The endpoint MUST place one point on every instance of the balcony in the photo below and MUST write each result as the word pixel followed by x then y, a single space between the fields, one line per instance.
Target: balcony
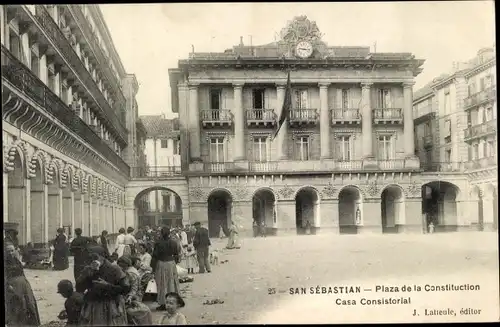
pixel 216 118
pixel 442 166
pixel 423 114
pixel 387 116
pixel 261 117
pixel 218 167
pixel 482 163
pixel 481 130
pixel 391 164
pixel 325 166
pixel 345 116
pixel 27 83
pixel 102 59
pixel 427 141
pixel 480 98
pixel 63 45
pixel 303 117
pixel 155 171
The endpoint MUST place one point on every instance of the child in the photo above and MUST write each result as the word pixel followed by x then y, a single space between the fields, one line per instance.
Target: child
pixel 190 259
pixel 173 302
pixel 73 304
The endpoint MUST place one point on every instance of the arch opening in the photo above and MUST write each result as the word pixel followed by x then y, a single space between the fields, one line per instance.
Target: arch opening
pixel 439 206
pixel 264 213
pixel 157 206
pixel 307 211
pixel 55 204
pixel 219 212
pixel 16 198
pixel 490 208
pixel 350 210
pixel 392 209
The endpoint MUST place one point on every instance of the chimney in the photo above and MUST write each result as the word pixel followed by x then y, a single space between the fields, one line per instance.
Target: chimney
pixel 241 41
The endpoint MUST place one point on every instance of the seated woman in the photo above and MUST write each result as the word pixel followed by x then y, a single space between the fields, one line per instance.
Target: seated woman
pixel 125 263
pixel 106 286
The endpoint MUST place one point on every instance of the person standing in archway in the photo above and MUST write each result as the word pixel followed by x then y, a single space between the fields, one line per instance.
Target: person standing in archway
pixel 61 251
pixel 78 249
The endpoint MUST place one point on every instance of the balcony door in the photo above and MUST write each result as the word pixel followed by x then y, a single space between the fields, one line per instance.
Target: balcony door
pixel 215 103
pixel 217 150
pixel 385 149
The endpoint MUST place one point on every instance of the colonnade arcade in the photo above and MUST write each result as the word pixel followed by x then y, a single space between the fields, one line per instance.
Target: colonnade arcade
pixel 43 193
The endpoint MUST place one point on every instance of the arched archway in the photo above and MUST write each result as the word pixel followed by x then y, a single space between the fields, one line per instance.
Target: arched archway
pixel 16 197
pixel 393 209
pixel 219 212
pixel 490 207
pixel 476 208
pixel 350 209
pixel 307 210
pixel 264 211
pixel 439 204
pixel 158 206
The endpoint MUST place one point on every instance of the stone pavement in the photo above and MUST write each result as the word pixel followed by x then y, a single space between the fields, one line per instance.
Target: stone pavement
pixel 276 264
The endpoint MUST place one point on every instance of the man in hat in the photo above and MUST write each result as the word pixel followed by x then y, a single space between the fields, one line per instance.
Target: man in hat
pixel 73 304
pixel 78 249
pixel 201 243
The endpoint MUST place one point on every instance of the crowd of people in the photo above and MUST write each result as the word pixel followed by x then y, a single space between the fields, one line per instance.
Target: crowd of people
pixel 109 286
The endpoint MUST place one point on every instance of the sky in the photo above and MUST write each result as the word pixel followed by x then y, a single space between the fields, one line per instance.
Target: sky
pixel 151 38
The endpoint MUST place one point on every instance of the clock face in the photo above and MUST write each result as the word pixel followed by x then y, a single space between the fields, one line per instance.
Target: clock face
pixel 304 49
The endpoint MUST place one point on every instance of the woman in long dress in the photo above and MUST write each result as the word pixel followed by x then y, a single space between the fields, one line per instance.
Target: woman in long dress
pixel 106 286
pixel 121 247
pixel 233 237
pixel 165 256
pixel 61 251
pixel 20 303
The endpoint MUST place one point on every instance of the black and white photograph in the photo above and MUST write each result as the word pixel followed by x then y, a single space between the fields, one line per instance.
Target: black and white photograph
pixel 249 163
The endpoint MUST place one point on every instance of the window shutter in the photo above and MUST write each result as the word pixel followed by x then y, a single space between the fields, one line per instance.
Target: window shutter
pixel 266 99
pixel 268 149
pixel 226 149
pixel 389 99
pixel 337 150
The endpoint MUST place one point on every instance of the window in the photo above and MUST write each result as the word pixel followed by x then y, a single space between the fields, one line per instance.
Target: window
pixel 447 155
pixel 384 98
pixel 344 148
pixel 302 148
pixel 260 149
pixel 52 81
pixel 35 64
pixel 217 149
pixel 447 128
pixel 489 81
pixel 345 98
pixel 472 88
pixel 64 92
pixel 15 44
pixel 428 157
pixel 177 147
pixel 258 99
pixel 427 128
pixel 301 99
pixel 385 147
pixel 215 99
pixel 447 103
pixel 164 144
pixel 482 84
pixel 488 114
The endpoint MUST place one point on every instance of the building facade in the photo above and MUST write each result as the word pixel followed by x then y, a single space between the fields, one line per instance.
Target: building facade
pixel 344 158
pixel 455 131
pixel 70 133
pixel 162 150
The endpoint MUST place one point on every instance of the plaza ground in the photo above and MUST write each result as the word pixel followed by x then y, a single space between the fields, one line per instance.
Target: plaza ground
pixel 276 264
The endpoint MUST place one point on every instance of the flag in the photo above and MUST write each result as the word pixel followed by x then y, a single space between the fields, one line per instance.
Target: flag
pixel 287 105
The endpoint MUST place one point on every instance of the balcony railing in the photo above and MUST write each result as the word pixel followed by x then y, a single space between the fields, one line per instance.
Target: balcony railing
pixel 216 117
pixel 321 166
pixel 391 164
pixel 218 167
pixel 484 129
pixel 30 85
pixel 303 116
pixel 485 162
pixel 480 97
pixel 442 166
pixel 103 59
pixel 261 117
pixel 57 36
pixel 388 115
pixel 155 171
pixel 345 115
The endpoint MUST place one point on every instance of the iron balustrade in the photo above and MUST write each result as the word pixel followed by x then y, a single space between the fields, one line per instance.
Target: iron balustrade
pixel 303 114
pixel 261 114
pixel 155 171
pixel 216 115
pixel 480 97
pixel 63 44
pixel 345 114
pixel 102 58
pixel 489 127
pixel 30 85
pixel 388 113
